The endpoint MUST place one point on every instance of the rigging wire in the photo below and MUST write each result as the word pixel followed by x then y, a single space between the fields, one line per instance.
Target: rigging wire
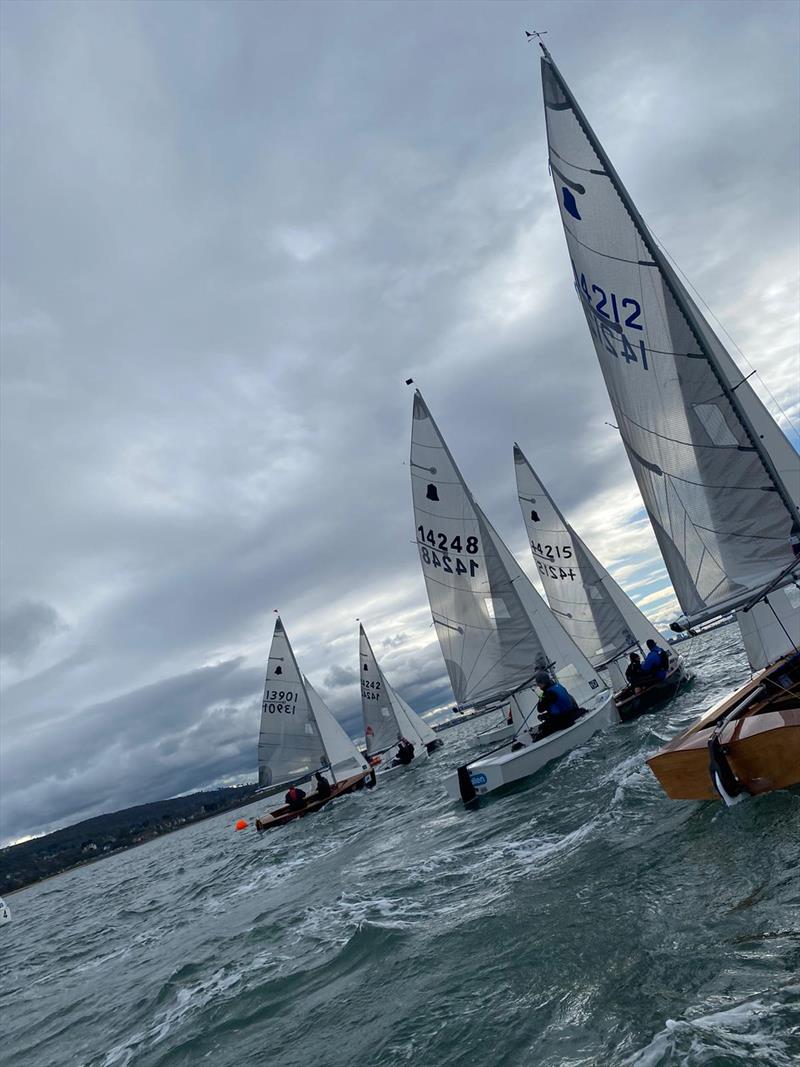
pixel 753 370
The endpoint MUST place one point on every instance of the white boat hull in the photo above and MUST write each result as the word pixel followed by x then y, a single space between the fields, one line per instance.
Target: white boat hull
pixel 506 767
pixel 498 734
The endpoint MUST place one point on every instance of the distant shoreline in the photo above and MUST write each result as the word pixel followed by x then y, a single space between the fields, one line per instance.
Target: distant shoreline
pixel 38 846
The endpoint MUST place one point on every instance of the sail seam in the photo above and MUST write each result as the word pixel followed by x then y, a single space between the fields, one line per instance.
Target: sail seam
pixel 607 255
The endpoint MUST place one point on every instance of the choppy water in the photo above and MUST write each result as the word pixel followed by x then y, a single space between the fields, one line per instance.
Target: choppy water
pixel 581 920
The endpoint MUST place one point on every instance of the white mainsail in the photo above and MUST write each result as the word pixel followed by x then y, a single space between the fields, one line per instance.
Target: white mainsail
pixel 600 618
pixel 494 629
pixel 720 482
pixel 289 743
pixel 344 759
pixel 387 717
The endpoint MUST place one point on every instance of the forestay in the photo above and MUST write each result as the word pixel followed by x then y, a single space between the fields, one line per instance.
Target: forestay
pixel 600 618
pixel 342 756
pixel 720 482
pixel 494 629
pixel 289 742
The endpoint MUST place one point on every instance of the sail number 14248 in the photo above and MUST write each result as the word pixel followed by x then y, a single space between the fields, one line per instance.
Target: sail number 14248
pixel 444 551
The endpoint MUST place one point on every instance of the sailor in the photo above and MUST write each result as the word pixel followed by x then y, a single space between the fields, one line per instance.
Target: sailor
pixel 509 717
pixel 557 708
pixel 295 798
pixel 633 672
pixel 323 785
pixel 405 752
pixel 656 663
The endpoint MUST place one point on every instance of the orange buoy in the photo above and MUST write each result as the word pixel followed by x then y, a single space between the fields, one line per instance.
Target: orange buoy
pixel 242 824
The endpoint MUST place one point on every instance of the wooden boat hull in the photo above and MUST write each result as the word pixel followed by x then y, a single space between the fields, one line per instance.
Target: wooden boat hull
pixel 283 815
pixel 506 767
pixel 631 706
pixel 762 747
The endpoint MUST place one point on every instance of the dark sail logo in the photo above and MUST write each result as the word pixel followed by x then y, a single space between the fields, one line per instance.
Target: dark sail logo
pixel 568 190
pixel 570 203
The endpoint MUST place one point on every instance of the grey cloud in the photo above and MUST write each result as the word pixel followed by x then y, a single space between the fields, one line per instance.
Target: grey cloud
pixel 396 641
pixel 339 677
pixel 151 742
pixel 26 626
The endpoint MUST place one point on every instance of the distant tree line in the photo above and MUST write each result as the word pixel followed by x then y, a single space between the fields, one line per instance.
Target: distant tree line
pixel 92 839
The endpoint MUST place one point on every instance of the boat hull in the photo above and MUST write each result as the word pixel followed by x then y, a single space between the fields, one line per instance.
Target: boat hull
pixel 283 815
pixel 498 734
pixel 506 767
pixel 762 747
pixel 636 704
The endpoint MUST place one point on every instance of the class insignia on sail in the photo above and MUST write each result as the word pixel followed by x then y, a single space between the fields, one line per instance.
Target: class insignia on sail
pixel 719 480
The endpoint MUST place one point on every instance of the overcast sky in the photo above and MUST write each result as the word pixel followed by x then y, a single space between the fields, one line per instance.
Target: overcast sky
pixel 230 232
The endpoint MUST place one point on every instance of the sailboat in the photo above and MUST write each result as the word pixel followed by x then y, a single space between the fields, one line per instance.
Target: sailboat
pixel 494 629
pixel 299 736
pixel 598 615
pixel 719 480
pixel 387 717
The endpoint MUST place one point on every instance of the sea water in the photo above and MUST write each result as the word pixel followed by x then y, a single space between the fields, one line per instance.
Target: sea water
pixel 580 919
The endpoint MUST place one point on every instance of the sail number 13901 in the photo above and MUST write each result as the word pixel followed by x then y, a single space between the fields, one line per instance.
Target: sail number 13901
pixel 280 702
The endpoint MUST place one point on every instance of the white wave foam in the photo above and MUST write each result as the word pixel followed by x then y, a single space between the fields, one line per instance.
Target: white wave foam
pixel 188 1001
pixel 741 1033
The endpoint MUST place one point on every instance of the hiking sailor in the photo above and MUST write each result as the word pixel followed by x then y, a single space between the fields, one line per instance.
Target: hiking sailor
pixel 633 672
pixel 656 663
pixel 557 708
pixel 405 752
pixel 323 786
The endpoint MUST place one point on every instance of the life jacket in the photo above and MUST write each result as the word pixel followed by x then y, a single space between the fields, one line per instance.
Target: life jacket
pixel 559 701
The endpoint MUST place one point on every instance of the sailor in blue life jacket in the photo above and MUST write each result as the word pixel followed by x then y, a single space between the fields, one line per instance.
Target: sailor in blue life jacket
pixel 557 708
pixel 656 663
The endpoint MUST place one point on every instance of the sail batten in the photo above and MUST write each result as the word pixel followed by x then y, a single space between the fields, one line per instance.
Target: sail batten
pixel 719 481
